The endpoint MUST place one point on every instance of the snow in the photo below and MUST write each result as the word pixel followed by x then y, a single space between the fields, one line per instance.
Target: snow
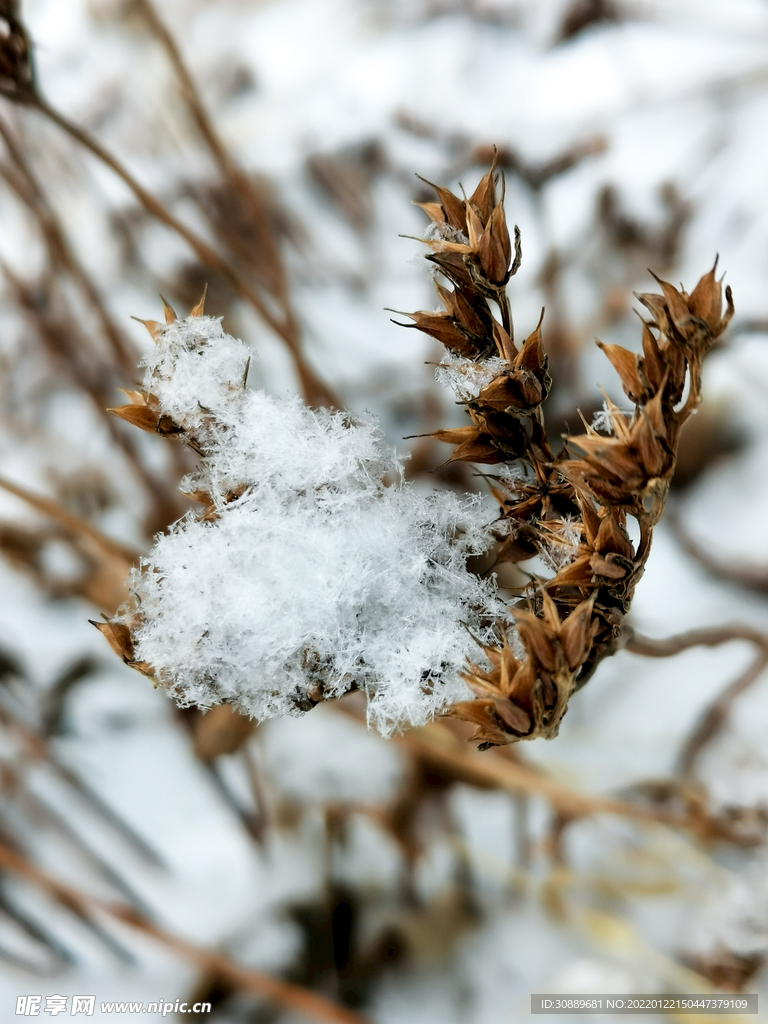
pixel 311 573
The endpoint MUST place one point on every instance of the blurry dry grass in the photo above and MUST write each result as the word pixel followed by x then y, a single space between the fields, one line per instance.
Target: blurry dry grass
pixel 248 261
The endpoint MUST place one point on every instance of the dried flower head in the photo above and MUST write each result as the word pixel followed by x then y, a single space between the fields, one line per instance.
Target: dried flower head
pixel 577 501
pixel 303 576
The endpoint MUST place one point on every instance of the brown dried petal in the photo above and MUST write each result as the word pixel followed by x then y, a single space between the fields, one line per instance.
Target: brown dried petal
pixel 706 299
pixel 654 410
pixel 481 686
pixel 434 211
pixel 518 720
pixel 453 207
pixel 481 713
pixel 493 249
pixel 453 266
pixel 589 517
pixel 606 567
pixel 518 391
pixel 138 416
pixel 533 635
pixel 578 573
pixel 474 228
pixel 473 314
pixel 651 454
pixel 483 199
pixel 612 538
pixel 502 243
pixel 610 456
pixel 444 329
pixel 676 303
pixel 118 636
pixel 531 356
pixel 577 632
pixel 651 365
pixel 456 435
pixel 504 344
pixel 481 450
pixel 656 306
pixel 625 364
pixel 473 445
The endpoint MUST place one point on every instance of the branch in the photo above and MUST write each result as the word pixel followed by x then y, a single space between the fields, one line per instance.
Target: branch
pixel 315 390
pixel 290 997
pixel 61 250
pixel 74 524
pixel 438 747
pixel 748 575
pixel 715 715
pixel 707 636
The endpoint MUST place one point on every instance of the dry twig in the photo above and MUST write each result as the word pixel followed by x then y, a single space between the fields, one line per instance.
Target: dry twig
pixel 714 717
pixel 289 997
pixel 18 82
pixel 749 575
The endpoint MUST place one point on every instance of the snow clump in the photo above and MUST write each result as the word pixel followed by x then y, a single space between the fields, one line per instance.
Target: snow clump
pixel 308 575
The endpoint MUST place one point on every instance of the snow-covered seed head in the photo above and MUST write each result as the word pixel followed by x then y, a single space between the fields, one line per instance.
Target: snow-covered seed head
pixel 305 576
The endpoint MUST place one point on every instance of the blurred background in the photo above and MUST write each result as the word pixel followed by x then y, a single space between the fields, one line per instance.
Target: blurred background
pixel 269 149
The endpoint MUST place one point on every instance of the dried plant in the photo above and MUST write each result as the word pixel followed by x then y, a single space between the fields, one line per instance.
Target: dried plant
pixel 306 575
pixel 19 83
pixel 570 508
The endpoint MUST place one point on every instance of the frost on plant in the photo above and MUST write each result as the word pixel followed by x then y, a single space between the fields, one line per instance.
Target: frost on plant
pixel 306 576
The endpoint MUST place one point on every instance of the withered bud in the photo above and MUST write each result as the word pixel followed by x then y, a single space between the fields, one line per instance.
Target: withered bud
pixel 118 636
pixel 692 322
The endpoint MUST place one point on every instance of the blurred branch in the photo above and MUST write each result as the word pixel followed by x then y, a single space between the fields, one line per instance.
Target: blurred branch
pixel 61 334
pixel 290 997
pixel 748 575
pixel 193 99
pixel 714 717
pixel 438 749
pixel 37 748
pixel 61 251
pixel 708 636
pixel 75 524
pixel 79 908
pixel 315 390
pixel 248 200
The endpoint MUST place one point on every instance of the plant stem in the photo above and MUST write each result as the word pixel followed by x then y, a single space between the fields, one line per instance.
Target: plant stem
pixel 315 390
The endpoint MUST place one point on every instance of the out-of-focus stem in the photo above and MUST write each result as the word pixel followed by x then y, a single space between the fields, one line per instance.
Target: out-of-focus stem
pixel 290 997
pixel 315 390
pixel 715 715
pixel 61 251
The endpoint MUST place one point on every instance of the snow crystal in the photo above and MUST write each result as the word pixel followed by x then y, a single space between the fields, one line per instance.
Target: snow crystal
pixel 602 421
pixel 311 577
pixel 466 378
pixel 560 544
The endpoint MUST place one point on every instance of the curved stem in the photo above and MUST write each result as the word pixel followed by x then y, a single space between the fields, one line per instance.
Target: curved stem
pixel 315 390
pixel 715 715
pixel 290 997
pixel 708 636
pixel 61 251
